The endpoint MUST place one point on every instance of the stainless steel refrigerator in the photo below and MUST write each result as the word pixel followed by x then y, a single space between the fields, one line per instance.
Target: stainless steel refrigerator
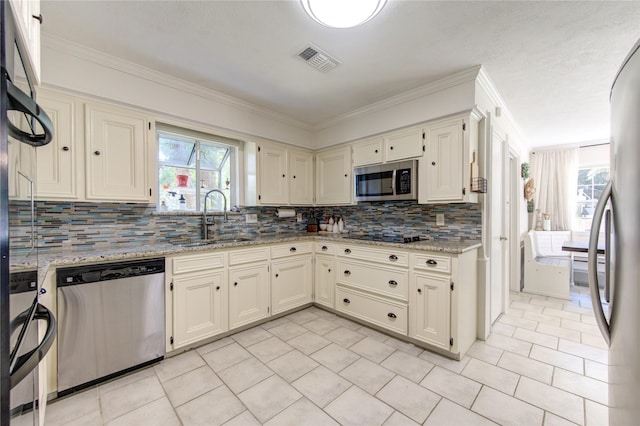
pixel 620 326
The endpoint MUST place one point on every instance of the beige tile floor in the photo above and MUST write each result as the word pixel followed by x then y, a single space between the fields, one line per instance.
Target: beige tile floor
pixel 543 364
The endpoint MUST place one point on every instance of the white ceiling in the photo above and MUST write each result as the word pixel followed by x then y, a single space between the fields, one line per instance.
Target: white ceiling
pixel 552 62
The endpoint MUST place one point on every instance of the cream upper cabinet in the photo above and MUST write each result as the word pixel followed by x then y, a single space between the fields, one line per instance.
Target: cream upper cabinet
pixel 117 154
pixel 272 175
pixel 368 152
pixel 334 180
pixel 403 144
pixel 300 177
pixel 444 169
pixel 59 162
pixel 285 176
pixel 27 16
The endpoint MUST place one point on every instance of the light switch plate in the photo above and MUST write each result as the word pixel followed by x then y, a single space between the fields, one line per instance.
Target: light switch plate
pixel 440 219
pixel 251 218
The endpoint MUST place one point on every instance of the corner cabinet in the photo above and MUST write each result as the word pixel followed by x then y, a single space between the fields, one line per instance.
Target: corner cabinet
pixel 445 167
pixel 117 154
pixel 443 300
pixel 291 277
pixel 285 176
pixel 334 180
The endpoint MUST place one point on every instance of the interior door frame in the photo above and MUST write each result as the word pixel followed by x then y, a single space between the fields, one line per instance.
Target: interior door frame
pixel 517 188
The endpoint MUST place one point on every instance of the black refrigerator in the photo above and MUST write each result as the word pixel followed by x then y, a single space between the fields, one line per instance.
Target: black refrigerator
pixel 27 328
pixel 619 208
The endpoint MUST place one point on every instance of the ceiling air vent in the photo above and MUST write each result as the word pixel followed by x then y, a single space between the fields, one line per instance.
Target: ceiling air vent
pixel 318 59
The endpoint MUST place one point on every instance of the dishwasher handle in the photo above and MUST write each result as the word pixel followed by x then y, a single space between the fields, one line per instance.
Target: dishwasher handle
pixel 26 363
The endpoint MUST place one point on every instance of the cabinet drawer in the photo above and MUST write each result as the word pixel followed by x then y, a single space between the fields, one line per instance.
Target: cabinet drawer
pixel 257 254
pixel 198 262
pixel 283 250
pixel 392 282
pixel 379 311
pixel 433 263
pixel 325 247
pixel 391 256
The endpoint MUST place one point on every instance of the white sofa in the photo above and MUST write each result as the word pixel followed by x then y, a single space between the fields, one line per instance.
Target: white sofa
pixel 546 266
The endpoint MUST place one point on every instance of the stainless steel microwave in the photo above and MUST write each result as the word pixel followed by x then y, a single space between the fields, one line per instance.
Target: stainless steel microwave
pixel 391 181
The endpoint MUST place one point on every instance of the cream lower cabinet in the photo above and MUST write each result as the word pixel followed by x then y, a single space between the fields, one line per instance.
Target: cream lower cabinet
pixel 324 274
pixel 372 285
pixel 443 300
pixel 249 288
pixel 291 276
pixel 199 286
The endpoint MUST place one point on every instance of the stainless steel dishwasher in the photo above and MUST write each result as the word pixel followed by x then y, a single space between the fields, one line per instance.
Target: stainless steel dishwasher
pixel 111 320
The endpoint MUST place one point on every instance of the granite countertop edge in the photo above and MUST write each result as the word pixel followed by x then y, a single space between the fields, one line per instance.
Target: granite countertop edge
pixel 64 258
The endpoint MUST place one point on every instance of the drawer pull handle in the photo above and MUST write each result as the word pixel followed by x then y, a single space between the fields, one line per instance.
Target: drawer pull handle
pixel 392 315
pixel 325 248
pixel 393 258
pixel 347 273
pixel 393 282
pixel 65 148
pixel 235 284
pixel 96 152
pixel 431 262
pixel 347 301
pixel 292 249
pixel 347 251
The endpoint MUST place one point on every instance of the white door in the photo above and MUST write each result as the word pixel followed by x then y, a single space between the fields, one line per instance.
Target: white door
pixel 496 226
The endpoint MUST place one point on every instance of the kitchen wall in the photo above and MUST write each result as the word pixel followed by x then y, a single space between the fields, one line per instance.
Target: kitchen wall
pixel 82 225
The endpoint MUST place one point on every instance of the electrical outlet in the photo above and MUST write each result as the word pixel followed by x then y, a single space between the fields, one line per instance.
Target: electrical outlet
pixel 299 217
pixel 251 218
pixel 440 219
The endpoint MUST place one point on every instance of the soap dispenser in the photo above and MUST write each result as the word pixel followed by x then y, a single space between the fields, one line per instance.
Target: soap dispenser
pixel 183 202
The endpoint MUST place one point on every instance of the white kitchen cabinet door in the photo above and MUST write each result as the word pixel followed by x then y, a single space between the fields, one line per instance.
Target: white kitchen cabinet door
pixel 325 281
pixel 403 144
pixel 272 175
pixel 334 182
pixel 368 152
pixel 58 162
pixel 248 294
pixel 200 306
pixel 27 18
pixel 116 155
pixel 441 168
pixel 432 309
pixel 291 283
pixel 300 178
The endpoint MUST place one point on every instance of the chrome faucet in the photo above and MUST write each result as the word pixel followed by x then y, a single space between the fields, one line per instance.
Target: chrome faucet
pixel 205 232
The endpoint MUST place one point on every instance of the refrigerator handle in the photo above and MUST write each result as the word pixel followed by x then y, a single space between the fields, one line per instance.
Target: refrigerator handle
pixel 607 256
pixel 601 319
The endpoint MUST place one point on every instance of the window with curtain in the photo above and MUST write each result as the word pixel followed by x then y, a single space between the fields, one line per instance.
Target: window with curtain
pixel 590 184
pixel 189 167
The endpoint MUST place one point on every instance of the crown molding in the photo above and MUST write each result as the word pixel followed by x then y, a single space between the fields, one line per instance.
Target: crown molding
pixel 490 89
pixel 448 82
pixel 121 65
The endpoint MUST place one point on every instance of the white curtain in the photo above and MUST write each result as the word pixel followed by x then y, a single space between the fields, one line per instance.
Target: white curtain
pixel 555 174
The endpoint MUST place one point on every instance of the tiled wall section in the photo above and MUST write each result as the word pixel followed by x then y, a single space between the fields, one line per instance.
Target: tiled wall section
pixel 86 225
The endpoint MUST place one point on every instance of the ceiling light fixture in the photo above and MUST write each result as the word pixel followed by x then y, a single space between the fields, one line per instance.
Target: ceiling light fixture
pixel 342 13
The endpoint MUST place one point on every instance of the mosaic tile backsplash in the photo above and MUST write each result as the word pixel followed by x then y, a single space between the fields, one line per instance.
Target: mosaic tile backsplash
pixel 84 225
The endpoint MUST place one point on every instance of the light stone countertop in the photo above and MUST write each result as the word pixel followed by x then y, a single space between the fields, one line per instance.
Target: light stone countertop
pixel 67 257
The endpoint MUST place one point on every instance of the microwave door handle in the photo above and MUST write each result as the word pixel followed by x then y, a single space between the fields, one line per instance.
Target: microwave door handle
pixel 393 182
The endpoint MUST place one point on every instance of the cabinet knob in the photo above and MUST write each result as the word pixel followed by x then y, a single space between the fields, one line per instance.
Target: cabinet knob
pixel 347 301
pixel 431 262
pixel 277 275
pixel 391 148
pixel 392 315
pixel 325 248
pixel 235 284
pixel 37 18
pixel 347 251
pixel 376 151
pixel 217 287
pixel 96 152
pixel 420 291
pixel 65 148
pixel 329 270
pixel 294 176
pixel 283 175
pixel 393 282
pixel 292 249
pixel 433 163
pixel 393 258
pixel 345 175
pixel 347 273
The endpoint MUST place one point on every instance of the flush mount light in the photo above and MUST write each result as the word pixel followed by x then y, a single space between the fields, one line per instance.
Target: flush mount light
pixel 342 13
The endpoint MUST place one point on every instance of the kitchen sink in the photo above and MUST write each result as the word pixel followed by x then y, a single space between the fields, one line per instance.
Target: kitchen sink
pixel 212 241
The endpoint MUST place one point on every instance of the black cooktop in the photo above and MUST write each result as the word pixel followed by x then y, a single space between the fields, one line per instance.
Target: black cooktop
pixel 385 238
